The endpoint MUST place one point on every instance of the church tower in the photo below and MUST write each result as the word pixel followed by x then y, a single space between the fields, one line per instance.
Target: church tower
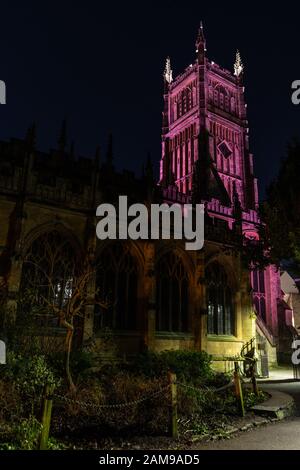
pixel 205 119
pixel 206 158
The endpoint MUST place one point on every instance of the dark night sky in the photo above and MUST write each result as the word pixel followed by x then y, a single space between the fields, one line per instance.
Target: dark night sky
pixel 101 64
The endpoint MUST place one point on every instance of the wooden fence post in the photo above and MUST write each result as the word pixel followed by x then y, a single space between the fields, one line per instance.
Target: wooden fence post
pixel 46 416
pixel 238 389
pixel 173 405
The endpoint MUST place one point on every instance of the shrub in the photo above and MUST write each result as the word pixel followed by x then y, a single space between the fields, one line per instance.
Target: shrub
pixel 11 403
pixel 250 399
pixel 26 436
pixel 29 375
pixel 27 433
pixel 191 366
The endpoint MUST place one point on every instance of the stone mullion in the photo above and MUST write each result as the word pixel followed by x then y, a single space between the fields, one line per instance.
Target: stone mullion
pixel 200 317
pixel 149 294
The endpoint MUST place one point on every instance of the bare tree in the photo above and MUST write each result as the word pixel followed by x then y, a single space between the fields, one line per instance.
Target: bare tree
pixel 55 287
pixel 63 298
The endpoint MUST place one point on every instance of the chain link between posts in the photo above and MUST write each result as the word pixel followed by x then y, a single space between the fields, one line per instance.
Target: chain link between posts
pixel 208 390
pixel 161 390
pixel 96 407
pixel 171 387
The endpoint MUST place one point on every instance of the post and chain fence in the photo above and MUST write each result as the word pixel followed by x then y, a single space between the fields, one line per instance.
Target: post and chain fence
pixel 99 408
pixel 171 386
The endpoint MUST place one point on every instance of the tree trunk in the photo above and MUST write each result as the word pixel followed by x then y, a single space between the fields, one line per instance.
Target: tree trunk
pixel 68 344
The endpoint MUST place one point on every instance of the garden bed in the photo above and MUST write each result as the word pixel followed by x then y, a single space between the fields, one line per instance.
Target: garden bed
pixel 119 402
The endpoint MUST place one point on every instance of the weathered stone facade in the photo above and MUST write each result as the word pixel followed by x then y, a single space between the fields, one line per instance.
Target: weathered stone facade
pixel 65 202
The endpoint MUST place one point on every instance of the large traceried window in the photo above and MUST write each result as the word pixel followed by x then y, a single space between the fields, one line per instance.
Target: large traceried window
pixel 220 302
pixel 47 277
pixel 117 279
pixel 172 295
pixel 259 292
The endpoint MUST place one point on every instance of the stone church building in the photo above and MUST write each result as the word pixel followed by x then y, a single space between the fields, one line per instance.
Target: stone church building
pixel 163 297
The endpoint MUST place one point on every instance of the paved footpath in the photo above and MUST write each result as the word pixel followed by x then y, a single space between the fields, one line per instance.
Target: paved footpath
pixel 282 435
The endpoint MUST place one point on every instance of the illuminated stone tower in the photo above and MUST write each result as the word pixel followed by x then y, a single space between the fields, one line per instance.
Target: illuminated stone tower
pixel 204 118
pixel 206 158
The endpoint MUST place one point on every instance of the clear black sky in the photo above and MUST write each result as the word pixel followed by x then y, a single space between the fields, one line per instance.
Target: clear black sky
pixel 100 65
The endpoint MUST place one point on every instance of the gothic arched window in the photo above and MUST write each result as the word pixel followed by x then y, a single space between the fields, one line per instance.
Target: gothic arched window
pixel 259 292
pixel 260 306
pixel 172 294
pixel 220 303
pixel 117 279
pixel 258 281
pixel 47 278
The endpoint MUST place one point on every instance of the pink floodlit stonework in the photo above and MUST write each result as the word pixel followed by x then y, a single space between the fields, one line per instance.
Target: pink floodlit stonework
pixel 206 98
pixel 210 97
